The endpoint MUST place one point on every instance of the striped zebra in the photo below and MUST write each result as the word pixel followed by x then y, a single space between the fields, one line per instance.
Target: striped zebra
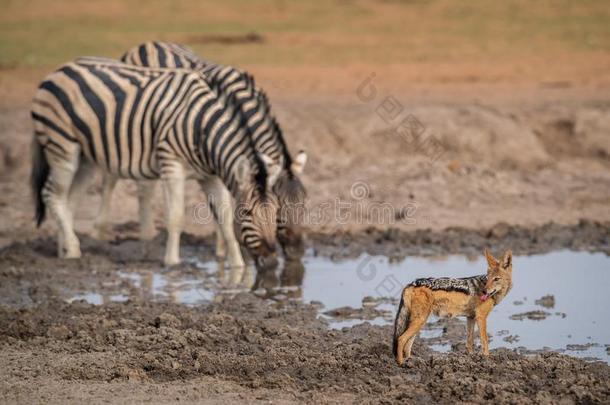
pixel 266 135
pixel 145 124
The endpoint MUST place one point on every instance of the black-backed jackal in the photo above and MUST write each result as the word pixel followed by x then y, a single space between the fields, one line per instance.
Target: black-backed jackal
pixel 472 297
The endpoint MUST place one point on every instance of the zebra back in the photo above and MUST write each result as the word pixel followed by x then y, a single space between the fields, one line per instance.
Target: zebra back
pixel 129 120
pixel 164 55
pixel 254 103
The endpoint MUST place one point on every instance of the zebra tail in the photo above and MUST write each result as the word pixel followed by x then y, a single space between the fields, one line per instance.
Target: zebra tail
pixel 38 178
pixel 402 318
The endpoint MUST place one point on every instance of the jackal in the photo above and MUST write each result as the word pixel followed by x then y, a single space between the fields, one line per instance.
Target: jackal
pixel 472 297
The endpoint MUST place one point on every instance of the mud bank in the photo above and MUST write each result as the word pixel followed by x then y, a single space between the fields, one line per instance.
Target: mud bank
pixel 30 273
pixel 397 243
pixel 275 352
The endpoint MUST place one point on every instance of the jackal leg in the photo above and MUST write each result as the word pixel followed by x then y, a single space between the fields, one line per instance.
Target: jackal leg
pixel 405 341
pixel 419 311
pixel 482 323
pixel 409 345
pixel 481 318
pixel 470 341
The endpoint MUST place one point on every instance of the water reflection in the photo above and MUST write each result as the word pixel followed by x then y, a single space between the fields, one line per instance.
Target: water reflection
pixel 288 283
pixel 558 300
pixel 234 277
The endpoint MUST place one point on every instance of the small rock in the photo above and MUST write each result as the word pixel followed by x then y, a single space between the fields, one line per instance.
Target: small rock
pixel 548 301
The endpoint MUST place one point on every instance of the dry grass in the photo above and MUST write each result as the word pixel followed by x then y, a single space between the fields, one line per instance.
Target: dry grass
pixel 39 33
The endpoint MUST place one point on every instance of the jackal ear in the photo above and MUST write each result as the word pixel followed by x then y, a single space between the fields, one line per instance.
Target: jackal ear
pixel 491 260
pixel 243 172
pixel 299 163
pixel 273 169
pixel 507 259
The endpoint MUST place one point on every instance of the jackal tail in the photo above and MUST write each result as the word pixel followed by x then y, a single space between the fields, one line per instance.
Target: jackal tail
pixel 402 317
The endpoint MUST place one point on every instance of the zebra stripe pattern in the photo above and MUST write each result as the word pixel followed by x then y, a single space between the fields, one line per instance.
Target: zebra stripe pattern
pixel 254 103
pixel 144 123
pixel 264 128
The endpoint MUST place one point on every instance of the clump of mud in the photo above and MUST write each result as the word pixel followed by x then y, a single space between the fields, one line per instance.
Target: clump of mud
pixel 283 348
pixel 531 315
pixel 548 301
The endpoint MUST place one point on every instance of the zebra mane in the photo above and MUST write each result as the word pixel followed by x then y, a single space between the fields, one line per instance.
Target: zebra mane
pixel 261 169
pixel 249 79
pixel 285 152
pixel 287 159
pixel 261 174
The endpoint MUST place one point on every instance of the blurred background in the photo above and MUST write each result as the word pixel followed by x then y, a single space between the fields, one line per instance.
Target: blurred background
pixel 514 95
pixel 507 40
pixel 433 128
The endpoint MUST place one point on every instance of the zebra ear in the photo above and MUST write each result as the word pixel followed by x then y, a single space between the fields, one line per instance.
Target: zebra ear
pixel 243 173
pixel 299 163
pixel 273 169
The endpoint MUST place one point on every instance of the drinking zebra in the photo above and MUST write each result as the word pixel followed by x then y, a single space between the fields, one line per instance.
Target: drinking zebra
pixel 144 124
pixel 266 135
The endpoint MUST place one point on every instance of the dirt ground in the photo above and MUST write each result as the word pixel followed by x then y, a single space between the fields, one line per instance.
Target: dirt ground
pixel 244 351
pixel 527 173
pixel 512 152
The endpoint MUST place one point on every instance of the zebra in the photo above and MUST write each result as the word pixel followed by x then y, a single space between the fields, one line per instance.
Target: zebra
pixel 266 135
pixel 146 124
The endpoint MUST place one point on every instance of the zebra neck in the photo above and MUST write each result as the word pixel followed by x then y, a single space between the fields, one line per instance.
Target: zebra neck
pixel 254 105
pixel 229 178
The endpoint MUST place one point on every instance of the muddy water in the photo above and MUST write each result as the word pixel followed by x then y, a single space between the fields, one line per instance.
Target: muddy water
pixel 558 302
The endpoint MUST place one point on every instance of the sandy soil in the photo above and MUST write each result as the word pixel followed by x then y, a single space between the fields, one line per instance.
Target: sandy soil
pixel 525 156
pixel 521 165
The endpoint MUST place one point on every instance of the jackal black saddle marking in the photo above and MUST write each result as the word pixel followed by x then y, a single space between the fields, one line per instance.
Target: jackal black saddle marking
pixel 468 285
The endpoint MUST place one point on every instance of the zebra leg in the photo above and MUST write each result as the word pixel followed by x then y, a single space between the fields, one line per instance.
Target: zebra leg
pixel 173 177
pixel 102 225
pixel 220 201
pixel 56 193
pixel 146 192
pixel 221 246
pixel 81 181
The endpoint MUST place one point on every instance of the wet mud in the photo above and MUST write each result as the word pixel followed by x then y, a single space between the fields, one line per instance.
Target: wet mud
pixel 397 243
pixel 504 172
pixel 262 346
pixel 270 349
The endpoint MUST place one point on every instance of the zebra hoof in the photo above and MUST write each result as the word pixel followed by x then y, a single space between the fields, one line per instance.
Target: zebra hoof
pixel 170 262
pixel 72 255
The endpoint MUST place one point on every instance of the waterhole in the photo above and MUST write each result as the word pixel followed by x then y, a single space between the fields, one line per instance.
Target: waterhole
pixel 559 300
